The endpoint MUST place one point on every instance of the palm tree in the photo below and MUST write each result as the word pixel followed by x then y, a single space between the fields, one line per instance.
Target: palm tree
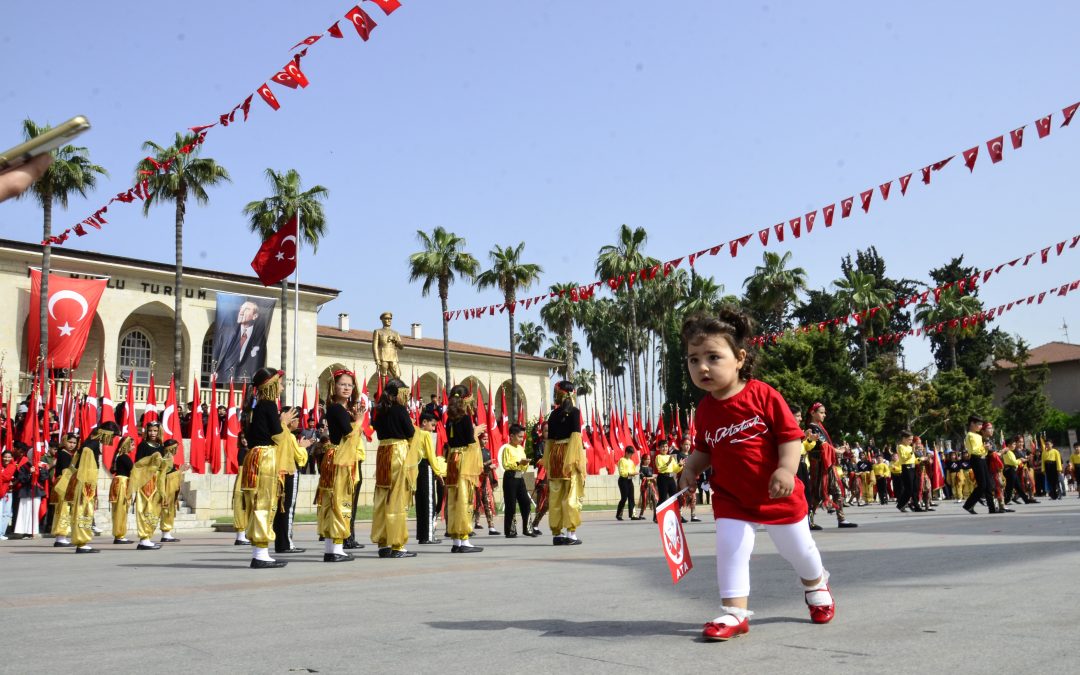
pixel 859 292
pixel 188 176
pixel 71 172
pixel 266 216
pixel 560 314
pixel 530 337
pixel 773 287
pixel 557 351
pixel 442 259
pixel 584 381
pixel 510 275
pixel 705 296
pixel 951 305
pixel 622 259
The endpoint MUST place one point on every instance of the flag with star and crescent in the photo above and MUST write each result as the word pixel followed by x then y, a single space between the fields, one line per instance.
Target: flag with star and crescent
pixel 276 258
pixel 72 306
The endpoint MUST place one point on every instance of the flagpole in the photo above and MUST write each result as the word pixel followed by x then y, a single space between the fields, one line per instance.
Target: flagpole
pixel 296 311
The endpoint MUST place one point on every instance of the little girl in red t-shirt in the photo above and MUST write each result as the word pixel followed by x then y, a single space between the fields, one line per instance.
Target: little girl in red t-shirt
pixel 746 433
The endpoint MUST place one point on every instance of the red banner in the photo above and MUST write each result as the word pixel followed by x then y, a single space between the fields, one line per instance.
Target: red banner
pixel 72 306
pixel 673 539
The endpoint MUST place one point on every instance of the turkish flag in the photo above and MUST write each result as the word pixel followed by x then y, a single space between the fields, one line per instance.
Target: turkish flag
pixel 810 218
pixel 310 40
pixel 150 412
pixel 90 409
pixel 335 30
pixel 845 207
pixel 268 96
pixel 72 305
pixel 970 155
pixel 1068 113
pixel 365 421
pixel 827 212
pixel 232 433
pixel 994 146
pixel 387 6
pixel 904 180
pixel 865 198
pixel 213 430
pixel 284 79
pixel 885 187
pixel 673 539
pixel 1042 125
pixel 108 410
pixel 276 258
pixel 170 416
pixel 292 68
pixel 360 20
pixel 197 449
pixel 1017 137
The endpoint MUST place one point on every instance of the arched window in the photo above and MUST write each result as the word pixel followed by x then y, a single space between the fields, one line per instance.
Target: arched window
pixel 135 355
pixel 207 363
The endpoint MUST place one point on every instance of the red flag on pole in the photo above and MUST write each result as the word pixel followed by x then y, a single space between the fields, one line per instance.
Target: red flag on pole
pixel 72 306
pixel 213 429
pixel 365 421
pixel 108 413
pixel 232 433
pixel 90 409
pixel 150 413
pixel 197 448
pixel 276 258
pixel 673 539
pixel 304 411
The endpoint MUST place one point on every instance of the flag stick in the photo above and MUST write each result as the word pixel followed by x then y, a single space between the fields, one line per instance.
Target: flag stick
pixel 296 310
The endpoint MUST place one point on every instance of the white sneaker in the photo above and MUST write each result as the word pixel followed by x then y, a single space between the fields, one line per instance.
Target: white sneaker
pixel 3 538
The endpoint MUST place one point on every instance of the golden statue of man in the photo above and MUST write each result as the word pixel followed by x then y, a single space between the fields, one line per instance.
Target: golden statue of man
pixel 385 343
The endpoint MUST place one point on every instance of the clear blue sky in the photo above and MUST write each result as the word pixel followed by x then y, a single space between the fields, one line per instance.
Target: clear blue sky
pixel 555 122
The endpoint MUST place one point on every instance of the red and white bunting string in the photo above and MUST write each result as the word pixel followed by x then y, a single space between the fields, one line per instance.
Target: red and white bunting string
pixel 289 76
pixel 995 150
pixel 969 321
pixel 932 295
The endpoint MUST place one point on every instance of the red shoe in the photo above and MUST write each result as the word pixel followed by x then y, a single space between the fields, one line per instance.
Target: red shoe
pixel 821 613
pixel 719 632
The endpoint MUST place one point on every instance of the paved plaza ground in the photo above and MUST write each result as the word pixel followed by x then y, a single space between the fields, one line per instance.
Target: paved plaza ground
pixel 937 592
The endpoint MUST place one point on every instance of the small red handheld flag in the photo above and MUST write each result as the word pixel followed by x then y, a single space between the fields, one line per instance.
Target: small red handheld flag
pixel 673 539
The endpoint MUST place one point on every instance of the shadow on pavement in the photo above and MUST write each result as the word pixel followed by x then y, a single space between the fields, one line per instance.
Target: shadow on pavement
pixel 563 628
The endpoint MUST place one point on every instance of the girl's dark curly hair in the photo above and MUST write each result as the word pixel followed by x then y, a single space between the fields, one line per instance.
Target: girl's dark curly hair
pixel 732 325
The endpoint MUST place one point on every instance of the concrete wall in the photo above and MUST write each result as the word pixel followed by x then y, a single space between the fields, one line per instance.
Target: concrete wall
pixel 1063 387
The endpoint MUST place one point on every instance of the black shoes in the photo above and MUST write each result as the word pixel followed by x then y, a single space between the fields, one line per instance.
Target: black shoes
pixel 466 549
pixel 170 540
pixel 533 533
pixel 572 542
pixel 122 540
pixel 618 517
pixel 148 547
pixel 337 557
pixel 815 527
pixel 536 532
pixel 969 510
pixel 511 535
pixel 432 541
pixel 87 550
pixel 402 554
pixel 559 540
pixel 351 544
pixel 846 524
pixel 695 519
pixel 292 550
pixel 237 542
pixel 267 564
pixel 384 552
pixel 62 544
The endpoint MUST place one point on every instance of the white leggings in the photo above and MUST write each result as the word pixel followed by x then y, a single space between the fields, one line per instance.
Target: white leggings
pixel 735 543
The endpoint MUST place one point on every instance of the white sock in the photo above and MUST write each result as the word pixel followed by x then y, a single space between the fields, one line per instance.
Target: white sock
pixel 145 542
pixel 572 534
pixel 63 540
pixel 465 543
pixel 86 547
pixel 338 549
pixel 329 546
pixel 819 594
pixel 261 554
pixel 241 536
pixel 167 536
pixel 732 616
pixel 457 542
